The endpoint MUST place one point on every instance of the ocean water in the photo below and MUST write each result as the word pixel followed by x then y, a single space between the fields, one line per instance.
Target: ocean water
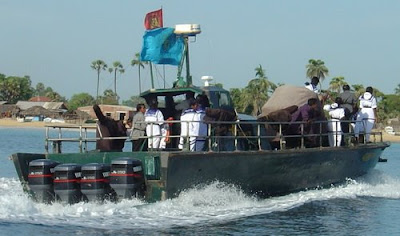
pixel 369 205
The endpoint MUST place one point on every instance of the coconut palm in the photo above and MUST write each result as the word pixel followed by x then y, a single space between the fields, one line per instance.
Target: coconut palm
pixel 317 68
pixel 140 64
pixel 117 67
pixel 255 94
pixel 98 65
pixel 337 83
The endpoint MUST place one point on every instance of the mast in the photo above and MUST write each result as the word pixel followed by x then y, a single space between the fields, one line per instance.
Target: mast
pixel 186 31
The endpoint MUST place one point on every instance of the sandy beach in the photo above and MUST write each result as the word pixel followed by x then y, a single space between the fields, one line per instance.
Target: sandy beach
pixel 13 123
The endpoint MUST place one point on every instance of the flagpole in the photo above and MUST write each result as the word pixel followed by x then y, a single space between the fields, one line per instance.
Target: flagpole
pixel 188 77
pixel 151 74
pixel 164 74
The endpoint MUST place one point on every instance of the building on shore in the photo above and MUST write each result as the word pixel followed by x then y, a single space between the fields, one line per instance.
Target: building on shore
pixel 115 112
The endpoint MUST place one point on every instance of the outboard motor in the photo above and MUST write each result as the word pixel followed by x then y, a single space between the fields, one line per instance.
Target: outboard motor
pixel 95 182
pixel 40 179
pixel 67 183
pixel 127 178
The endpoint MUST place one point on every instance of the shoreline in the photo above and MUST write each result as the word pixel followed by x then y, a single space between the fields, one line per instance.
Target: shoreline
pixel 8 122
pixel 11 123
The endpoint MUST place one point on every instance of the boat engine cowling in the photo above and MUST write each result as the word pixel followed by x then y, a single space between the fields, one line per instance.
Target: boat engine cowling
pixel 40 179
pixel 95 182
pixel 127 178
pixel 67 183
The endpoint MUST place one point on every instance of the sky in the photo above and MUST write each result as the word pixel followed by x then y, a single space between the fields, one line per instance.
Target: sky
pixel 55 42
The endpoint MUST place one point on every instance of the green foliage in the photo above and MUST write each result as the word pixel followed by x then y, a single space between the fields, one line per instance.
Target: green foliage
pixel 337 83
pixel 55 97
pixel 389 107
pixel 358 89
pixel 140 64
pixel 108 98
pixel 255 94
pixel 316 68
pixel 79 100
pixel 98 66
pixel 219 85
pixel 14 88
pixel 42 90
pixel 236 94
pixel 133 101
pixel 117 67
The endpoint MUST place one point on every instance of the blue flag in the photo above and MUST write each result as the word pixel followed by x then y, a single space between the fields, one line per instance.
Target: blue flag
pixel 162 46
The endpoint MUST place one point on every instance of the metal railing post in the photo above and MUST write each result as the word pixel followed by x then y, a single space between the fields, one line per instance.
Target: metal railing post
pixel 46 145
pixel 302 134
pixel 235 135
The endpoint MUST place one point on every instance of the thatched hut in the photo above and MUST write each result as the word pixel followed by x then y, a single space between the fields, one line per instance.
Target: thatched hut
pixel 39 111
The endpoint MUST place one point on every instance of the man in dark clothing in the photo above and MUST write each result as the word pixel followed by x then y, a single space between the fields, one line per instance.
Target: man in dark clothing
pixel 108 127
pixel 306 113
pixel 223 144
pixel 350 106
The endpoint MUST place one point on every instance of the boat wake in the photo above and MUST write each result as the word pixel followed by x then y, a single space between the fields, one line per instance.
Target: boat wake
pixel 214 203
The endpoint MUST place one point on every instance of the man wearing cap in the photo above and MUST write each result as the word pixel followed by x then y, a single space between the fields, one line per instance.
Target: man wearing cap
pixel 155 119
pixel 336 113
pixel 191 127
pixel 367 115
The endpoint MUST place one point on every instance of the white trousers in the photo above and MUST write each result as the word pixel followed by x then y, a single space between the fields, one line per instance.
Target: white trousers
pixel 364 125
pixel 335 133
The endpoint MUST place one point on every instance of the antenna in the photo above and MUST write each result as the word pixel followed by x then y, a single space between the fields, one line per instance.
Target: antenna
pixel 186 31
pixel 207 80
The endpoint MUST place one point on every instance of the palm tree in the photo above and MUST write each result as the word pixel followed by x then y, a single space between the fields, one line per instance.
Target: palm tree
pixel 255 94
pixel 98 65
pixel 359 89
pixel 117 67
pixel 337 83
pixel 317 68
pixel 140 64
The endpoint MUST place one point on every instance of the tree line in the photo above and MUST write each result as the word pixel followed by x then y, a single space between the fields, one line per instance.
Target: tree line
pixel 249 99
pixel 15 88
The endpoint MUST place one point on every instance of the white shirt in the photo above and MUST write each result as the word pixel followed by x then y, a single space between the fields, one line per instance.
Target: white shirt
pixel 153 115
pixel 312 88
pixel 335 112
pixel 367 105
pixel 192 127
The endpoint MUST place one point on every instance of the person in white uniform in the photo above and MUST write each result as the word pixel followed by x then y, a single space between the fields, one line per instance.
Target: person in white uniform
pixel 336 113
pixel 190 128
pixel 153 129
pixel 313 86
pixel 367 114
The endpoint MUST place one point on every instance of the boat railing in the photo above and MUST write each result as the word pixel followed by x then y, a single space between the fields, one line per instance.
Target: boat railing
pixel 238 135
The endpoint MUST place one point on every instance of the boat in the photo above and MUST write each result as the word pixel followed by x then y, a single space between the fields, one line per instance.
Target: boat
pixel 243 157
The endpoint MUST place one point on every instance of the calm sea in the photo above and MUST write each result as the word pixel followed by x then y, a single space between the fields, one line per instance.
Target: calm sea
pixel 366 206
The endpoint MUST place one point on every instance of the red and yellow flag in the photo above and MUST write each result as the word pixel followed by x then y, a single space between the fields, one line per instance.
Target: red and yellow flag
pixel 153 20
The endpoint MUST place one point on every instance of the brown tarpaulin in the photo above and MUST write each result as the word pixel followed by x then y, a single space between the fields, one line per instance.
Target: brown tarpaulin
pixel 286 96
